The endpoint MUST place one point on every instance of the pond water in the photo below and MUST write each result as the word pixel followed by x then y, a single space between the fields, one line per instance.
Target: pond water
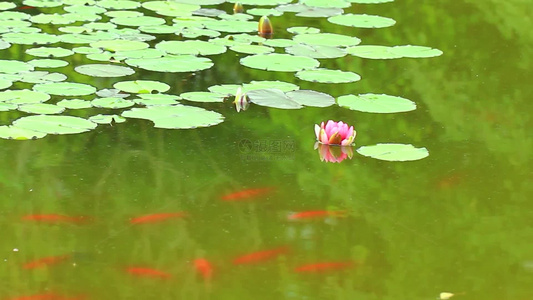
pixel 247 209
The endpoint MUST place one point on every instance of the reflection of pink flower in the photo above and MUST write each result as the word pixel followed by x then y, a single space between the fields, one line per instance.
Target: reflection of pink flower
pixel 334 153
pixel 335 133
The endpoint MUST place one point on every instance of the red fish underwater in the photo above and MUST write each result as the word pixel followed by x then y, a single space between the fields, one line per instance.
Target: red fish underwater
pixel 154 218
pixel 46 261
pixel 55 218
pixel 316 214
pixel 48 296
pixel 323 267
pixel 260 256
pixel 246 194
pixel 148 272
pixel 204 268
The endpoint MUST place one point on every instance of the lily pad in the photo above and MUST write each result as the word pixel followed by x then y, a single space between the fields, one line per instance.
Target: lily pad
pixel 316 51
pixel 203 97
pixel 65 88
pixel 373 52
pixel 370 1
pixel 113 103
pixel 48 63
pixel 4 45
pixel 7 5
pixel 157 99
pixel 362 21
pixel 264 12
pixel 74 103
pixel 23 97
pixel 394 152
pixel 15 133
pixel 118 4
pixel 224 89
pixel 416 51
pixel 139 21
pixel 115 93
pixel 14 66
pixel 41 77
pixel 142 86
pixel 326 3
pixel 7 106
pixel 375 103
pixel 4 84
pixel 328 76
pixel 252 49
pixel 41 108
pixel 280 85
pixel 311 98
pixel 176 116
pixel 120 45
pixel 279 43
pixel 55 124
pixel 107 119
pixel 279 62
pixel 273 98
pixel 327 39
pixel 30 38
pixel 179 63
pixel 190 47
pixel 303 30
pixel 101 70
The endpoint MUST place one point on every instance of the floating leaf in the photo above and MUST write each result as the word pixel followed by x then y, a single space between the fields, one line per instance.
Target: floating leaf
pixel 231 26
pixel 328 76
pixel 65 88
pixel 157 99
pixel 41 77
pixel 107 119
pixel 190 47
pixel 87 50
pixel 30 38
pixel 41 108
pixel 203 97
pixel 416 51
pixel 118 4
pixel 4 45
pixel 251 49
pixel 55 124
pixel 48 63
pixel 115 93
pixel 394 152
pixel 279 62
pixel 7 5
pixel 303 30
pixel 171 8
pixel 180 63
pixel 280 85
pixel 43 3
pixel 370 1
pixel 112 103
pixel 373 52
pixel 120 45
pixel 376 103
pixel 327 39
pixel 264 12
pixel 4 84
pixel 176 116
pixel 326 3
pixel 362 21
pixel 311 98
pixel 101 70
pixel 23 97
pixel 272 98
pixel 7 106
pixel 14 66
pixel 74 104
pixel 142 86
pixel 279 43
pixel 264 2
pixel 15 133
pixel 224 89
pixel 316 51
pixel 139 21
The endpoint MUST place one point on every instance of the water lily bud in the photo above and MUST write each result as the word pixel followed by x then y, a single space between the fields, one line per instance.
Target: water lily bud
pixel 265 27
pixel 238 8
pixel 241 100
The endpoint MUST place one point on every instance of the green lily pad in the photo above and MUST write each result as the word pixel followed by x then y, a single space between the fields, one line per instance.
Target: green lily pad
pixel 123 13
pixel 23 97
pixel 48 63
pixel 236 17
pixel 190 47
pixel 156 99
pixel 280 85
pixel 13 15
pixel 394 152
pixel 41 77
pixel 252 49
pixel 362 21
pixel 176 116
pixel 4 84
pixel 74 103
pixel 142 86
pixel 311 98
pixel 375 103
pixel 264 12
pixel 107 119
pixel 171 8
pixel 316 51
pixel 279 43
pixel 65 88
pixel 120 45
pixel 14 66
pixel 43 3
pixel 302 30
pixel 327 39
pixel 41 108
pixel 15 133
pixel 87 50
pixel 279 62
pixel 30 38
pixel 85 9
pixel 100 26
pixel 49 52
pixel 55 124
pixel 231 26
pixel 328 76
pixel 370 1
pixel 113 103
pixel 224 89
pixel 317 12
pixel 143 53
pixel 4 45
pixel 272 98
pixel 113 93
pixel 203 97
pixel 7 5
pixel 101 70
pixel 416 51
pixel 264 2
pixel 326 3
pixel 118 4
pixel 193 33
pixel 159 29
pixel 139 21
pixel 179 63
pixel 373 52
pixel 7 106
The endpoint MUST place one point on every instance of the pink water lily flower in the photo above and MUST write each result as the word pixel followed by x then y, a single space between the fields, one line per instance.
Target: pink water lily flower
pixel 335 133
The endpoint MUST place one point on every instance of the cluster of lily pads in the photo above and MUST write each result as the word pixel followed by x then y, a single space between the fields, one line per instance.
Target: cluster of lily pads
pixel 122 36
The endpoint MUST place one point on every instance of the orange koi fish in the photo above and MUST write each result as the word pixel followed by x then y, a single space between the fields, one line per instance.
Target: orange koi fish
pixel 148 272
pixel 314 214
pixel 153 218
pixel 48 296
pixel 25 7
pixel 246 194
pixel 204 268
pixel 260 256
pixel 55 218
pixel 322 267
pixel 46 261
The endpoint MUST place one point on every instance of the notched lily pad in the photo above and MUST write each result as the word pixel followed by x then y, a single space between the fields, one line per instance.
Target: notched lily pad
pixel 65 88
pixel 280 62
pixel 23 97
pixel 328 76
pixel 394 152
pixel 291 100
pixel 55 124
pixel 103 70
pixel 41 108
pixel 15 133
pixel 416 51
pixel 48 63
pixel 362 21
pixel 373 52
pixel 107 119
pixel 176 116
pixel 113 103
pixel 74 103
pixel 179 63
pixel 142 86
pixel 203 97
pixel 375 103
